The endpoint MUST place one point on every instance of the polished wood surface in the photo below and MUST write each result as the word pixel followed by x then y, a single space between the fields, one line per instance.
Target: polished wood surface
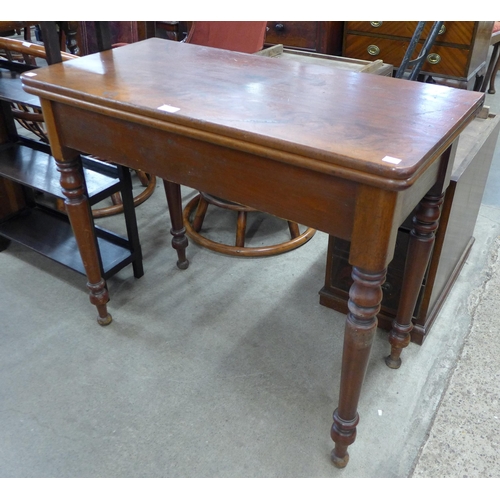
pixel 349 162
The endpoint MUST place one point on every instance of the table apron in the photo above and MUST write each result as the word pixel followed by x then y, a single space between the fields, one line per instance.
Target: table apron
pixel 305 196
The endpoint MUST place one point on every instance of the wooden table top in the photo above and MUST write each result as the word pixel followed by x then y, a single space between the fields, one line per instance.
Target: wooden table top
pixel 353 125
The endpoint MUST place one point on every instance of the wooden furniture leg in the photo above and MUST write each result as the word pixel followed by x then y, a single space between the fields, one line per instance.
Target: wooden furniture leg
pixel 293 227
pixel 492 90
pixel 178 231
pixel 241 227
pixel 365 296
pixel 79 213
pixel 199 216
pixel 73 187
pixel 422 235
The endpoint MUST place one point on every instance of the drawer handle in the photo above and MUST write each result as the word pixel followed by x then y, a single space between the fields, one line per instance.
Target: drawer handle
pixel 373 50
pixel 376 24
pixel 434 58
pixel 279 27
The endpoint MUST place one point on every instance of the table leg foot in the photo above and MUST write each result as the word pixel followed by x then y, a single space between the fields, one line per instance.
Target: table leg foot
pixel 338 462
pixel 183 265
pixel 99 297
pixel 393 361
pixel 343 433
pixel 106 320
pixel 399 339
pixel 180 243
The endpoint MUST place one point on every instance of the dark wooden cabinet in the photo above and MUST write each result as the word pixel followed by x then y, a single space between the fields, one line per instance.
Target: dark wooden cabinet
pixel 454 238
pixel 314 36
pixel 458 55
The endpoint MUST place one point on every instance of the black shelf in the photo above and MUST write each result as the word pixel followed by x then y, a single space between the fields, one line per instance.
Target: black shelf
pixel 40 226
pixel 49 233
pixel 38 170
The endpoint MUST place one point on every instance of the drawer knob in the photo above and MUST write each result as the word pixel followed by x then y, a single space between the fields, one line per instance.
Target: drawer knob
pixel 442 30
pixel 279 27
pixel 376 24
pixel 373 50
pixel 434 58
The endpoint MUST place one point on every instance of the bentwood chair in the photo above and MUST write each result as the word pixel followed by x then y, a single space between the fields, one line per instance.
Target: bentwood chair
pixel 248 37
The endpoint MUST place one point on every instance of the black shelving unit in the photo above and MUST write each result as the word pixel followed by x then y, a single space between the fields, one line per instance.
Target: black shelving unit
pixel 45 228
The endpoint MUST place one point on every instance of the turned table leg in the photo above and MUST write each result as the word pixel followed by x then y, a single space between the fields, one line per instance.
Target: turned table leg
pixel 365 296
pixel 178 231
pixel 79 213
pixel 422 235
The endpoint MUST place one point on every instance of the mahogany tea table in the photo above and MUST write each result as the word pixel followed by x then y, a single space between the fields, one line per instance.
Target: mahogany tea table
pixel 350 154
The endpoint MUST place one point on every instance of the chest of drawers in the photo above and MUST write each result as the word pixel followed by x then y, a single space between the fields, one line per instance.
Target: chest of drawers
pixel 458 54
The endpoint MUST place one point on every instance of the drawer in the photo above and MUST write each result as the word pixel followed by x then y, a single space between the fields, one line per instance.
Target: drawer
pixel 452 32
pixel 302 35
pixel 450 61
pixel 389 28
pixel 371 48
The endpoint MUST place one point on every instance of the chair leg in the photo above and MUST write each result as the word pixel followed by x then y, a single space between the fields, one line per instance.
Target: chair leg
pixel 241 227
pixel 199 217
pixel 489 71
pixel 294 229
pixel 116 199
pixel 491 90
pixel 143 177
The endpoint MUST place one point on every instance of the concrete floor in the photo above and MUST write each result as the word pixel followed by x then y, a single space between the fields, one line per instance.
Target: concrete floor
pixel 231 368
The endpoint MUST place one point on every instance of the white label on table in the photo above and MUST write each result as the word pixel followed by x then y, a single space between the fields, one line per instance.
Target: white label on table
pixel 29 73
pixel 27 44
pixel 170 109
pixel 390 159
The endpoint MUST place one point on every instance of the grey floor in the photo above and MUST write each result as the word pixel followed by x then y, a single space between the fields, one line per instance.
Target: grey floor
pixel 231 368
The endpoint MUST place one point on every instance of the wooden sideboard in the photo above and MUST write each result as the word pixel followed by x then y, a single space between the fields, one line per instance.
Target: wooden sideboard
pixel 324 37
pixel 458 56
